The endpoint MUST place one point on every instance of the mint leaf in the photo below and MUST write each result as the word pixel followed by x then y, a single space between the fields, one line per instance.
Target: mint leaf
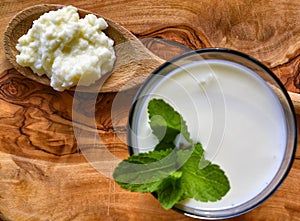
pixel 145 172
pixel 166 123
pixel 142 179
pixel 170 191
pixel 204 184
pixel 170 172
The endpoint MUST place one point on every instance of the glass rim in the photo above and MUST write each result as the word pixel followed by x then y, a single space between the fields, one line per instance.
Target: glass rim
pixel 293 122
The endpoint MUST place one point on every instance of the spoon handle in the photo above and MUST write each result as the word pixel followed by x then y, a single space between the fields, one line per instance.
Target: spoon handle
pixel 296 101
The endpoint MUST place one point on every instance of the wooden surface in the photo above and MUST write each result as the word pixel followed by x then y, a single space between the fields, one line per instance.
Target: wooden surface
pixel 43 175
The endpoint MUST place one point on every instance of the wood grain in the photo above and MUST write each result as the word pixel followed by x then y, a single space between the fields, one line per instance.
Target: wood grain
pixel 43 174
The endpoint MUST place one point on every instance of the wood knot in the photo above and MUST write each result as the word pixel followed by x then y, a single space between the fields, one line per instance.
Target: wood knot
pixel 14 86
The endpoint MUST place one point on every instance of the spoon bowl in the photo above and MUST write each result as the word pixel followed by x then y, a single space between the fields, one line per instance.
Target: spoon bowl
pixel 134 61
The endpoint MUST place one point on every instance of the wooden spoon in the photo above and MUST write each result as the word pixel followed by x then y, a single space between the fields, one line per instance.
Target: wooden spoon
pixel 134 61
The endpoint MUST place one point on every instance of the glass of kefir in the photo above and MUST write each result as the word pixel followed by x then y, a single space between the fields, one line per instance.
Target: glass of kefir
pixel 240 112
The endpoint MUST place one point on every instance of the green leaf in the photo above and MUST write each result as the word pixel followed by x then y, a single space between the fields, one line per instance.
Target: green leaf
pixel 170 191
pixel 166 123
pixel 144 172
pixel 137 174
pixel 205 184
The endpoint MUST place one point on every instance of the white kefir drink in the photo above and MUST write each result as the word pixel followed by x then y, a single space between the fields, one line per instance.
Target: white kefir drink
pixel 234 114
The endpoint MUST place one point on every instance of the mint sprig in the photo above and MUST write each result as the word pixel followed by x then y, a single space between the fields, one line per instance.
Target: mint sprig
pixel 173 173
